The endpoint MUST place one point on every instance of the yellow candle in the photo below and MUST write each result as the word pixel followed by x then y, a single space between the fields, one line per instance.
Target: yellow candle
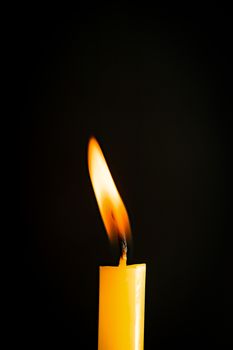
pixel 121 288
pixel 121 307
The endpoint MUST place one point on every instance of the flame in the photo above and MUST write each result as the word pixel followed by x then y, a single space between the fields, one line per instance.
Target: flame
pixel 110 204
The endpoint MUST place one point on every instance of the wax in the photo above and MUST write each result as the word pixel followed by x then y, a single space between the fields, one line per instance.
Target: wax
pixel 121 307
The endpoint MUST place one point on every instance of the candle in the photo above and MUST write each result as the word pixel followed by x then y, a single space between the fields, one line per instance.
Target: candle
pixel 121 288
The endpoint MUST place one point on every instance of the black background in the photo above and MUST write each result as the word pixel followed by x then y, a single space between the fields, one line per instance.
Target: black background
pixel 153 86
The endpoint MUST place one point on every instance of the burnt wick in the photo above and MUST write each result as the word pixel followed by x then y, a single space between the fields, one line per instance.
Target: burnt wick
pixel 121 239
pixel 123 247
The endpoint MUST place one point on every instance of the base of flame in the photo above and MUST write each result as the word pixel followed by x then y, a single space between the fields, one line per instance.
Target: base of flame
pixel 123 247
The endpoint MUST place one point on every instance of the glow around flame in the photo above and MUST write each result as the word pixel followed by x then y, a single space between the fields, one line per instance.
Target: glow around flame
pixel 110 204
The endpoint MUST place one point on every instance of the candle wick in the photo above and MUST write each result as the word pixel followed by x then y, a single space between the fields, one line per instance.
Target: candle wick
pixel 122 241
pixel 123 247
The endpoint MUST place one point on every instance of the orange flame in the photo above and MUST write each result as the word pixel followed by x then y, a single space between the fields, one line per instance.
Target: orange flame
pixel 110 204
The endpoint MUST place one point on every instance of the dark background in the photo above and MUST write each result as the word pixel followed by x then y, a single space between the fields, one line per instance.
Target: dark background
pixel 153 86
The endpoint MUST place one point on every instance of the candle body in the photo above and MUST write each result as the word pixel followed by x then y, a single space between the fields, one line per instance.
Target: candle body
pixel 121 307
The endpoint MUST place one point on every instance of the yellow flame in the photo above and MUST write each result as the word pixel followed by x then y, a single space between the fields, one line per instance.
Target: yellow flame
pixel 110 204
